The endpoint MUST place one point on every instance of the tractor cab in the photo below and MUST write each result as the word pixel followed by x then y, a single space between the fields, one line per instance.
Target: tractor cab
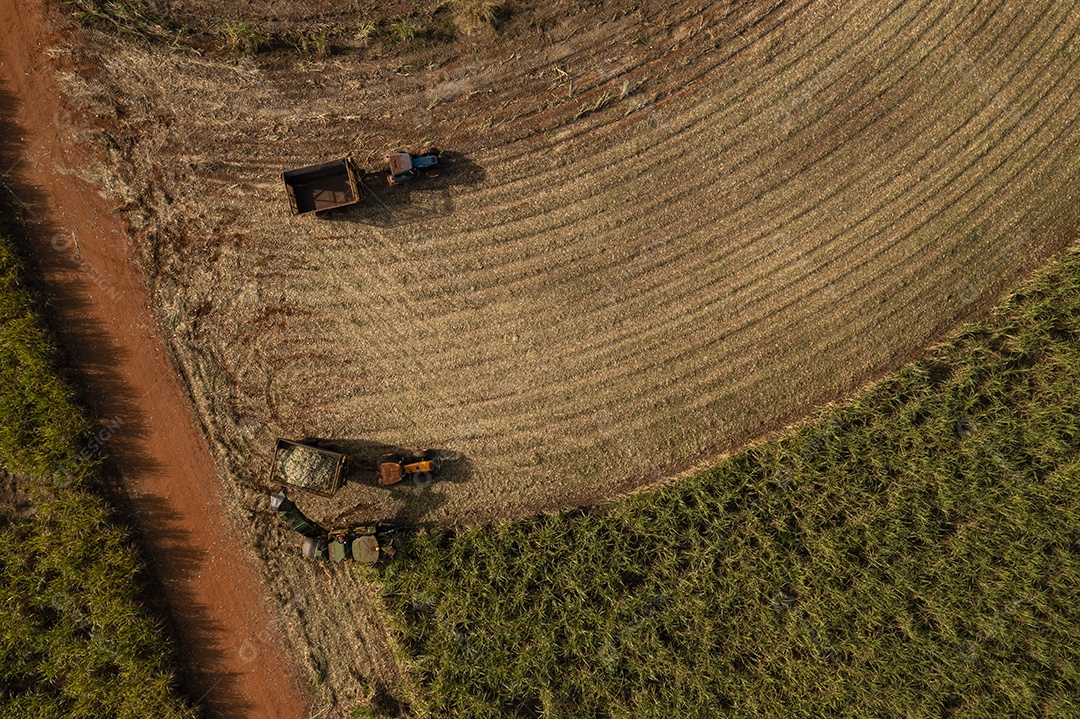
pixel 403 167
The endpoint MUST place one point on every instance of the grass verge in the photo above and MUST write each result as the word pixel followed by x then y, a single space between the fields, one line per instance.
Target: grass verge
pixel 125 18
pixel 913 552
pixel 432 24
pixel 74 639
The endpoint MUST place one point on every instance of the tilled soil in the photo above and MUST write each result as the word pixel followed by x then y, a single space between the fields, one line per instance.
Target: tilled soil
pixel 771 204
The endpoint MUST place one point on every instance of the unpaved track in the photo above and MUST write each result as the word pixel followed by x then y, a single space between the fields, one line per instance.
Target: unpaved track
pixel 228 641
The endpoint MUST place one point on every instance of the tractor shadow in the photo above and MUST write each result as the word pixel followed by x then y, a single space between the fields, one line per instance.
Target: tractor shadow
pixel 362 499
pixel 427 197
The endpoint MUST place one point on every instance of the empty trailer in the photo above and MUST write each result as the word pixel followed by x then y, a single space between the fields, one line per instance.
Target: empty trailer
pixel 325 187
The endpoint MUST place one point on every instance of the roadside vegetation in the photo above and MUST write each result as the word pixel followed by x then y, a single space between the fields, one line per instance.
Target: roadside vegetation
pixel 124 18
pixel 318 35
pixel 913 552
pixel 75 640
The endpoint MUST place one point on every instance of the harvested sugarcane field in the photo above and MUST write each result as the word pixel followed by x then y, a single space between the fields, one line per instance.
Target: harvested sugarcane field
pixel 612 359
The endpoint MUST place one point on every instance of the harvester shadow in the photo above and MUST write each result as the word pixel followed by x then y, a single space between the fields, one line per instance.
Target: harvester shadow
pixel 423 199
pixel 88 360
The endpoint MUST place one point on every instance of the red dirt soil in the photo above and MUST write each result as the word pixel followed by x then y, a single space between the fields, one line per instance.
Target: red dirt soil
pixel 228 640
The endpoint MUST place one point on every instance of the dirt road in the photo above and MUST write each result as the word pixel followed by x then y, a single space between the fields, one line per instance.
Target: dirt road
pixel 227 636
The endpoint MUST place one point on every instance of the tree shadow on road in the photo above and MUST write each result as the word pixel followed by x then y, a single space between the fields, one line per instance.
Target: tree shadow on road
pixel 56 269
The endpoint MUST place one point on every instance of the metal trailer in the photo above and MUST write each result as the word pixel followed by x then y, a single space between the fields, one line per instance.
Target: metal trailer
pixel 323 188
pixel 307 467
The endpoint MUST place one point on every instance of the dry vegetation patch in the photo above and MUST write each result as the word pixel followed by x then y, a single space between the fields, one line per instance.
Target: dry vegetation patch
pixel 657 236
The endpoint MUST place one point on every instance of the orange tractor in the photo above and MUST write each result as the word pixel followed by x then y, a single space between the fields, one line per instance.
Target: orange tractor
pixel 394 468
